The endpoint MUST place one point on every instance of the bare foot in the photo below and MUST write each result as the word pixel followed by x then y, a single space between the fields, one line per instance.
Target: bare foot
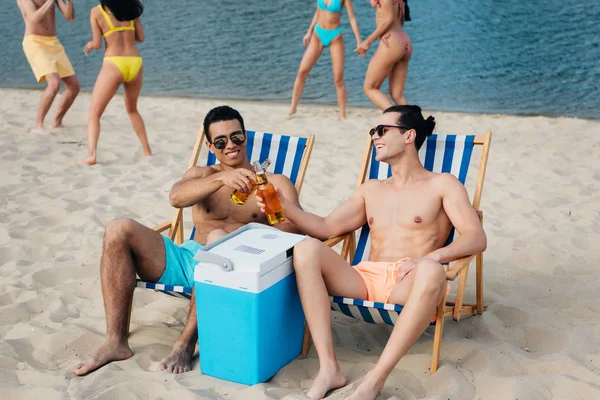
pixel 89 160
pixel 327 379
pixel 342 117
pixel 148 152
pixel 106 353
pixel 367 390
pixel 178 362
pixel 39 131
pixel 291 112
pixel 58 124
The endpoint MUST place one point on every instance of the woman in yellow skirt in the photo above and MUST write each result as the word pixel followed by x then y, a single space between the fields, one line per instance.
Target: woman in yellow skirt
pixel 118 21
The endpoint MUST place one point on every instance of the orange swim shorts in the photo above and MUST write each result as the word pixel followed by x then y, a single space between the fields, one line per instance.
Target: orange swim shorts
pixel 381 278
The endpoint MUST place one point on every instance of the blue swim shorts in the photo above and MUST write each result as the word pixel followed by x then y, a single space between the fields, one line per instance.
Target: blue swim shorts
pixel 180 263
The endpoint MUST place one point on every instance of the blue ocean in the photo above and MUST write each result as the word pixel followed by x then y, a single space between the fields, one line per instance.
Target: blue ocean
pixel 539 57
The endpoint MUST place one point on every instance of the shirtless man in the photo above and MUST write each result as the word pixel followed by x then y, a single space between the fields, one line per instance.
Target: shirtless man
pixel 392 55
pixel 47 57
pixel 410 216
pixel 131 248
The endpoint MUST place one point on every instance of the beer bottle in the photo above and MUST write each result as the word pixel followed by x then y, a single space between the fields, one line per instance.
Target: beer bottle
pixel 266 190
pixel 238 197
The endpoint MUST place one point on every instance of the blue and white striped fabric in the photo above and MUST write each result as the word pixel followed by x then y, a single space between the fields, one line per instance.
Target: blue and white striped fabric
pixel 441 153
pixel 285 153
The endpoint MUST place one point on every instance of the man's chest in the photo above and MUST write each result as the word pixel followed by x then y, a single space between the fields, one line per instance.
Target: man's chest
pixel 408 208
pixel 220 206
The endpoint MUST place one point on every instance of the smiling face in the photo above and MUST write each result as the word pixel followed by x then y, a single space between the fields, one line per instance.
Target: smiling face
pixel 391 141
pixel 228 142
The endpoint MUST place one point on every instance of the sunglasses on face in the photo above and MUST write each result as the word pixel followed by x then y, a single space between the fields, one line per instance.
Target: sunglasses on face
pixel 237 138
pixel 381 129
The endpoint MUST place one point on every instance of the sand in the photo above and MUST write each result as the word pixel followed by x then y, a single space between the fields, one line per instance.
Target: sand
pixel 539 338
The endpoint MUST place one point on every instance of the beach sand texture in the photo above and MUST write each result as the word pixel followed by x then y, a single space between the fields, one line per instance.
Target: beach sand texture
pixel 539 338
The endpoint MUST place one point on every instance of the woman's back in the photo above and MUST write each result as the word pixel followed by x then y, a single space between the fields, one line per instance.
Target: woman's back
pixel 397 15
pixel 119 36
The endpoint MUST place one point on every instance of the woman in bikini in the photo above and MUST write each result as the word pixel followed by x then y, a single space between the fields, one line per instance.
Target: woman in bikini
pixel 327 33
pixel 392 55
pixel 119 22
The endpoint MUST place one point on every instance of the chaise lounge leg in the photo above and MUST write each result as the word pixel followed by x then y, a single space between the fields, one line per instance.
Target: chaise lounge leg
pixel 437 337
pixel 306 341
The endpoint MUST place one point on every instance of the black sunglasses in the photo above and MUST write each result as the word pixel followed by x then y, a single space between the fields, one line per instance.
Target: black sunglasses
pixel 237 138
pixel 380 129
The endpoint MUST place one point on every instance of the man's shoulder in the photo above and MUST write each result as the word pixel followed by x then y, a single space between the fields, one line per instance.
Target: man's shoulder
pixel 447 183
pixel 447 179
pixel 200 172
pixel 279 178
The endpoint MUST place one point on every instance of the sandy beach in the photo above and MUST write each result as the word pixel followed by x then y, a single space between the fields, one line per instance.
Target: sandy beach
pixel 538 339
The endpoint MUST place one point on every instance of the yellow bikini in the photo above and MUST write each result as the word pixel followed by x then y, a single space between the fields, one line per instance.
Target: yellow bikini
pixel 128 65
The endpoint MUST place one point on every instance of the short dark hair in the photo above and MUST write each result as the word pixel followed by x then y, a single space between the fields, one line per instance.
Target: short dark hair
pixel 221 113
pixel 123 10
pixel 411 118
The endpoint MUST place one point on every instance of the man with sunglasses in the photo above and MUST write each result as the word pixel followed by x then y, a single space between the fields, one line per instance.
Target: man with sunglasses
pixel 410 216
pixel 131 248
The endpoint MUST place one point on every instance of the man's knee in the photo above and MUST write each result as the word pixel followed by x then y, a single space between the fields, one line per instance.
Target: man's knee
pixel 53 84
pixel 73 87
pixel 119 230
pixel 305 254
pixel 429 275
pixel 215 235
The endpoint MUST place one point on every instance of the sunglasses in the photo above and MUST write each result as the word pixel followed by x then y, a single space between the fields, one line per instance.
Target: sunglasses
pixel 380 129
pixel 237 138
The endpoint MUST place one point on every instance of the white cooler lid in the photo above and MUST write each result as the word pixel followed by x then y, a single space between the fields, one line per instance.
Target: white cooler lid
pixel 254 249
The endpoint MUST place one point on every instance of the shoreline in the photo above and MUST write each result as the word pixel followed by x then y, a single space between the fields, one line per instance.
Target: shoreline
pixel 312 104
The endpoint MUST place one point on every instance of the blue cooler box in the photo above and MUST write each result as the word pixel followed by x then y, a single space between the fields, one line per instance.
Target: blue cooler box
pixel 250 320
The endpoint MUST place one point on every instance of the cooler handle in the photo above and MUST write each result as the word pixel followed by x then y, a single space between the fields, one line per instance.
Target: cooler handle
pixel 204 256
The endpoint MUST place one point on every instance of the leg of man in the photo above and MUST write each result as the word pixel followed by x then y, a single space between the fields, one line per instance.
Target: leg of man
pixel 420 292
pixel 129 248
pixel 320 272
pixel 67 99
pixel 53 85
pixel 180 359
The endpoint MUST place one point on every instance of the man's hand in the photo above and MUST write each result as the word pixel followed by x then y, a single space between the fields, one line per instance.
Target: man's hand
pixel 433 256
pixel 405 269
pixel 240 179
pixel 261 202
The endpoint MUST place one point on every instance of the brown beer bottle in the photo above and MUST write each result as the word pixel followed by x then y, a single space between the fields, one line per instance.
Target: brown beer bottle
pixel 238 197
pixel 266 190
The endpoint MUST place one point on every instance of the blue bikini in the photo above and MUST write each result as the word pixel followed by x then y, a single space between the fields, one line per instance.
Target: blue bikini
pixel 326 36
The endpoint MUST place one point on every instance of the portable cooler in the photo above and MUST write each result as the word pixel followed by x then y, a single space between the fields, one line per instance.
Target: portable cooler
pixel 250 320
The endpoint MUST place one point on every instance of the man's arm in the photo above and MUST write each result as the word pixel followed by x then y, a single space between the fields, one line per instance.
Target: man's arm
pixel 198 183
pixel 67 9
pixel 462 215
pixel 33 14
pixel 347 217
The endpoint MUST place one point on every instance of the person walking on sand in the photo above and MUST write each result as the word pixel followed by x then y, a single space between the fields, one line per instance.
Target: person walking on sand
pixel 326 27
pixel 118 21
pixel 47 57
pixel 392 55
